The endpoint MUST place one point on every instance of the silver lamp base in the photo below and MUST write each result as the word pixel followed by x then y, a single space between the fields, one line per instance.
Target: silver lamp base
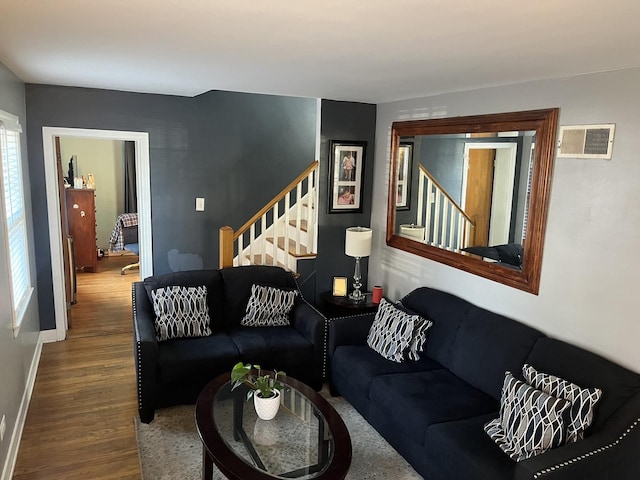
pixel 357 295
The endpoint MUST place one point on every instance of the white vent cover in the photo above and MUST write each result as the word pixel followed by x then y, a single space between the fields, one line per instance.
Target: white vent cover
pixel 586 141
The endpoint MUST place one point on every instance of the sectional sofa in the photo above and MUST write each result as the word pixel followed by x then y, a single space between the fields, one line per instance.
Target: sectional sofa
pixel 433 411
pixel 175 370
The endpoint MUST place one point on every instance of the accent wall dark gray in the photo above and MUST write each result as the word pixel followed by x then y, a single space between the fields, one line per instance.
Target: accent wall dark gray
pixel 237 150
pixel 342 121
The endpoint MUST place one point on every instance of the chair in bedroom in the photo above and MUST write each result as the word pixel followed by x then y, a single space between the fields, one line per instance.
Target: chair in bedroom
pixel 130 235
pixel 125 238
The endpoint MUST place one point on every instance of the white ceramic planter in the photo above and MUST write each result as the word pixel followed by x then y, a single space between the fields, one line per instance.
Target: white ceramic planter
pixel 266 408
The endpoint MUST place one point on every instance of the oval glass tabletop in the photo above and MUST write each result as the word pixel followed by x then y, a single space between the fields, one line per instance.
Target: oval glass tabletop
pixel 307 439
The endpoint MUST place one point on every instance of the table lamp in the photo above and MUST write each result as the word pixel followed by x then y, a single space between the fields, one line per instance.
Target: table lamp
pixel 357 244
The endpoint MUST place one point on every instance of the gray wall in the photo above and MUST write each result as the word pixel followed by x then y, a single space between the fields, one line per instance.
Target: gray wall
pixel 589 266
pixel 237 150
pixel 16 354
pixel 342 121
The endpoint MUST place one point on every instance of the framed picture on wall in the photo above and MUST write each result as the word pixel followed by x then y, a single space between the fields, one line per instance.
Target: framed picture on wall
pixel 346 173
pixel 405 154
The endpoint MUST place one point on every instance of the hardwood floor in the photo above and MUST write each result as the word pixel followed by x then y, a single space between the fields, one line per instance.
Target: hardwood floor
pixel 80 419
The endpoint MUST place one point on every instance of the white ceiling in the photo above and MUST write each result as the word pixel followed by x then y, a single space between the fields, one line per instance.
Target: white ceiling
pixel 360 50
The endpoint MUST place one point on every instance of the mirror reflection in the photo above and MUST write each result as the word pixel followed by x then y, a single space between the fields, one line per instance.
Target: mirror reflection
pixel 473 192
pixel 467 193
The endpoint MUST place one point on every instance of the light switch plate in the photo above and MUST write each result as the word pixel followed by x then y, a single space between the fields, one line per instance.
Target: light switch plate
pixel 3 427
pixel 199 204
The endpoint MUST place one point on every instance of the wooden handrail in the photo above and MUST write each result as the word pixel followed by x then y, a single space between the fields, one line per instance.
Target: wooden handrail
pixel 455 204
pixel 276 199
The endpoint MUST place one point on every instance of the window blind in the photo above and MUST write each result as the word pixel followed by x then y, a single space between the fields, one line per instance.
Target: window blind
pixel 15 215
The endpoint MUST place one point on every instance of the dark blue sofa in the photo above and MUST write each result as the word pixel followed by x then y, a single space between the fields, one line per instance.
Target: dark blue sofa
pixel 173 372
pixel 432 411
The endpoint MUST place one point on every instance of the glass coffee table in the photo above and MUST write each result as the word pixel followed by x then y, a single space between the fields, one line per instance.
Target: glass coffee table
pixel 307 439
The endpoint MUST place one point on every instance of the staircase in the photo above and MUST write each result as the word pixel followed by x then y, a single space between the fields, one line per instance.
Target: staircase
pixel 282 232
pixel 446 225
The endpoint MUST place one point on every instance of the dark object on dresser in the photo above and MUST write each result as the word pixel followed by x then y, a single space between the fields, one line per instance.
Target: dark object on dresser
pixel 433 410
pixel 174 371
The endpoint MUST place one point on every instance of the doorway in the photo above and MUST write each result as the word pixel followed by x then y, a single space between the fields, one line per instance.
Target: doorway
pixel 493 168
pixel 141 140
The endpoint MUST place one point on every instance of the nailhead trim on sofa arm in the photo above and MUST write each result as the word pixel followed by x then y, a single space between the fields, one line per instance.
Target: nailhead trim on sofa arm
pixel 614 449
pixel 144 375
pixel 548 470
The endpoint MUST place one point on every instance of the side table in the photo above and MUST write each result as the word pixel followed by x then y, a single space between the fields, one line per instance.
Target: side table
pixel 342 306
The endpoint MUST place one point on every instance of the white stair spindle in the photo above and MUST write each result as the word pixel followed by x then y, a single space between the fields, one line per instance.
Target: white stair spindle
pixel 263 236
pixel 428 223
pixel 287 208
pixel 252 241
pixel 241 254
pixel 436 219
pixel 310 212
pixel 445 216
pixel 274 234
pixel 421 201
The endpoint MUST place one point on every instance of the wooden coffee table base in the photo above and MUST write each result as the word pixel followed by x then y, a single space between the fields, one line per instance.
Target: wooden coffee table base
pixel 333 448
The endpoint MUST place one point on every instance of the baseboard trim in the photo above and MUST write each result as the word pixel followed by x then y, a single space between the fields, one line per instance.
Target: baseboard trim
pixel 16 435
pixel 48 336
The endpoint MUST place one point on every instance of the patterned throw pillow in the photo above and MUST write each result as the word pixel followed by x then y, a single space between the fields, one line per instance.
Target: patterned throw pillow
pixel 420 330
pixel 268 307
pixel 421 326
pixel 530 423
pixel 181 312
pixel 583 400
pixel 391 333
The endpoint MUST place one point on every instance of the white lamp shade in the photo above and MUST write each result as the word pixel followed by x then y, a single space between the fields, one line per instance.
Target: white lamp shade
pixel 358 242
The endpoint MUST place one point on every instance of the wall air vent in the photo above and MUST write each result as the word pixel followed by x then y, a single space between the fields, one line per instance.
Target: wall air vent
pixel 586 141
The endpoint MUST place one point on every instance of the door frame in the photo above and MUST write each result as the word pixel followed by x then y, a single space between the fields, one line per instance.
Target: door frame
pixel 143 189
pixel 506 152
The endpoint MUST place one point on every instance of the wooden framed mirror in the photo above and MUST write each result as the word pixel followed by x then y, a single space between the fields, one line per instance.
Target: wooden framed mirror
pixel 479 192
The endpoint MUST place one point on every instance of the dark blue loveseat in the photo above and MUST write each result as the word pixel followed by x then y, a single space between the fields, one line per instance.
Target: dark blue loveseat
pixel 173 372
pixel 432 411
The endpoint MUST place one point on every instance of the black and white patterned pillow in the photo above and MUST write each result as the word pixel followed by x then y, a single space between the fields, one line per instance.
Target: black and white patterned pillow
pixel 420 332
pixel 583 400
pixel 268 306
pixel 181 312
pixel 419 338
pixel 391 333
pixel 530 423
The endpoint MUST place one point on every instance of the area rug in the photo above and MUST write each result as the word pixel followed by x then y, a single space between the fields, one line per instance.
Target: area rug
pixel 170 449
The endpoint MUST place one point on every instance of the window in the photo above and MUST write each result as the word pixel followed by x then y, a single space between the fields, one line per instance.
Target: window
pixel 15 216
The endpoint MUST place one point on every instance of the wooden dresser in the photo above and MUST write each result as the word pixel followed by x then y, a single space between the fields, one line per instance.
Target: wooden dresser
pixel 81 215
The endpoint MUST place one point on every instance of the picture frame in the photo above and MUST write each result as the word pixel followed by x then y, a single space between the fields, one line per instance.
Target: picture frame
pixel 339 286
pixel 405 164
pixel 346 174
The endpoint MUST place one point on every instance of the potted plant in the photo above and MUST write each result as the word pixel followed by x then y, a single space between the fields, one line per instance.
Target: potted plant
pixel 263 386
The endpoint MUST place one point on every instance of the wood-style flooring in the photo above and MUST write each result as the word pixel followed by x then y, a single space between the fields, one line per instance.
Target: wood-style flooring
pixel 80 419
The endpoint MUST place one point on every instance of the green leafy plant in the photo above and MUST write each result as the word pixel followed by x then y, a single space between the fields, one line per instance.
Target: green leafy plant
pixel 264 383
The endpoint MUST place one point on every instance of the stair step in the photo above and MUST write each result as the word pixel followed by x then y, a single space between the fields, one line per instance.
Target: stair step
pixel 268 260
pixel 292 248
pixel 257 260
pixel 303 225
